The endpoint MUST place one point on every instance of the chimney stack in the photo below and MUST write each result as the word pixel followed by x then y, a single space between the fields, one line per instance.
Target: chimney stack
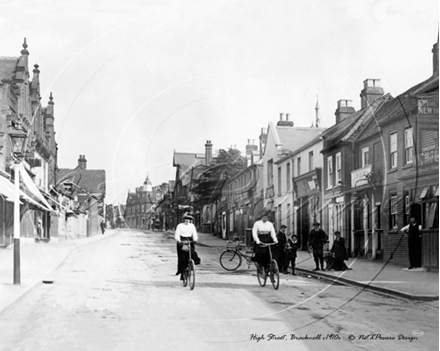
pixel 208 152
pixel 344 110
pixel 435 57
pixel 82 162
pixel 372 90
pixel 286 123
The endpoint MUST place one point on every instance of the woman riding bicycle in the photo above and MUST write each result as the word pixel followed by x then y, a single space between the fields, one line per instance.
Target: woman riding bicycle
pixel 263 232
pixel 185 231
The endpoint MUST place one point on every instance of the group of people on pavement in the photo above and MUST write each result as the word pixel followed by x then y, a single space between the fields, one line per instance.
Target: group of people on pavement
pixel 285 252
pixel 263 231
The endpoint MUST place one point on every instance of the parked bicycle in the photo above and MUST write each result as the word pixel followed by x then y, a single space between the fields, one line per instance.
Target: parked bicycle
pixel 232 258
pixel 272 270
pixel 189 274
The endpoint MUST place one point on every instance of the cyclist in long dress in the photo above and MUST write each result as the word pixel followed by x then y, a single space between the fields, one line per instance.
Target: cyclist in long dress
pixel 185 231
pixel 263 232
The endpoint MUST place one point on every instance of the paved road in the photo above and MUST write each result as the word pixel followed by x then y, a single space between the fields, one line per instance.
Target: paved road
pixel 121 294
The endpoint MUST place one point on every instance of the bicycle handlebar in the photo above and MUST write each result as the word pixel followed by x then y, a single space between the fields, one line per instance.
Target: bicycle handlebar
pixel 267 244
pixel 188 242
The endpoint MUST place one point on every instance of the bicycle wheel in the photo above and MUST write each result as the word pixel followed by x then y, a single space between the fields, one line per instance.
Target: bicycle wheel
pixel 274 274
pixel 185 277
pixel 261 275
pixel 230 260
pixel 191 274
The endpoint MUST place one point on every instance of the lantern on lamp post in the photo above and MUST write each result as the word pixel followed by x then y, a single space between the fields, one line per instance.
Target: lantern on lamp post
pixel 18 142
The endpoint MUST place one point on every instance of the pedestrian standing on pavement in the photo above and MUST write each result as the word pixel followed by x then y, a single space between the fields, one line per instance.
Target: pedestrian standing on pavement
pixel 281 255
pixel 263 232
pixel 292 246
pixel 103 226
pixel 413 232
pixel 185 231
pixel 340 253
pixel 39 230
pixel 317 240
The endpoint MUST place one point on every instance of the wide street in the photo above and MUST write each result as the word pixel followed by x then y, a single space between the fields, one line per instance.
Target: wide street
pixel 121 293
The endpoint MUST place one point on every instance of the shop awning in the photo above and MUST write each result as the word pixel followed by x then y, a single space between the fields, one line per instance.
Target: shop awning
pixel 7 190
pixel 33 195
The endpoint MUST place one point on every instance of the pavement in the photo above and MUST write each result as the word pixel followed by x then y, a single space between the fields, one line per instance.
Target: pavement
pixel 377 276
pixel 38 261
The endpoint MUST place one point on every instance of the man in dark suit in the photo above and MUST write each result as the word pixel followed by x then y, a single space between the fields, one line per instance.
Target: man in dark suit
pixel 281 255
pixel 317 240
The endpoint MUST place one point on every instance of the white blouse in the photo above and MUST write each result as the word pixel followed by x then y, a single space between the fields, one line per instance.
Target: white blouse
pixel 186 230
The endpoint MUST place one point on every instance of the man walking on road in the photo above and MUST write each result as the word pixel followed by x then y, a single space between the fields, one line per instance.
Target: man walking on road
pixel 317 240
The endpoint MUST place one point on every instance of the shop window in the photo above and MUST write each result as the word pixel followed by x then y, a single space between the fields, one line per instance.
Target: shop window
pixel 430 207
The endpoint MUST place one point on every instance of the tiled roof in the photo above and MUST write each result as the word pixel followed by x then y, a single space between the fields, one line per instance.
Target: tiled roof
pixel 349 127
pixel 334 134
pixel 404 104
pixel 92 180
pixel 186 162
pixel 295 137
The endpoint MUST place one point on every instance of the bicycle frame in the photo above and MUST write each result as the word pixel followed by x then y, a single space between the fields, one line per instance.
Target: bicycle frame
pixel 189 274
pixel 273 270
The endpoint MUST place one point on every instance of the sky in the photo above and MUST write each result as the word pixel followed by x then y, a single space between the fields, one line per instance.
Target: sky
pixel 134 81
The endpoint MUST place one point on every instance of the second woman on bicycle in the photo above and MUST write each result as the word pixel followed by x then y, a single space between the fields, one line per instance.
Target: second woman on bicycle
pixel 263 232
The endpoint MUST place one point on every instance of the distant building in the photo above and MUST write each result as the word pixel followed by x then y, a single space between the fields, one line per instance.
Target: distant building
pixel 145 207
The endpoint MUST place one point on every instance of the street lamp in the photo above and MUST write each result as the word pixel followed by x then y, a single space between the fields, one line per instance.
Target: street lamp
pixel 18 141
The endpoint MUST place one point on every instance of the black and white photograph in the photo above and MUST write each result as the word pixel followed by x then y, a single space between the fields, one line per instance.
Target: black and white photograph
pixel 219 175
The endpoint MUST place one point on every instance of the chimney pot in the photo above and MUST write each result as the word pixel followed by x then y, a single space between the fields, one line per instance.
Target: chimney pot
pixel 372 90
pixel 281 116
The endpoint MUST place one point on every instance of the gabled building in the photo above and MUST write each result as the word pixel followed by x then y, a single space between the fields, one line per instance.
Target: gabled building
pixel 188 167
pixel 299 187
pixel 242 198
pixel 20 106
pixel 347 178
pixel 281 139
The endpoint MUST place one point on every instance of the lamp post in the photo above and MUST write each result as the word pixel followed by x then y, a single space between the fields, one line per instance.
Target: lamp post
pixel 18 140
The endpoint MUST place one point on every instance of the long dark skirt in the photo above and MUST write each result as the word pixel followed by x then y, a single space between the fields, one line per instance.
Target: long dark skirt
pixel 183 256
pixel 262 256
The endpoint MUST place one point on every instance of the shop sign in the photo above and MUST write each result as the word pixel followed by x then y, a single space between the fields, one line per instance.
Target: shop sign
pixel 428 131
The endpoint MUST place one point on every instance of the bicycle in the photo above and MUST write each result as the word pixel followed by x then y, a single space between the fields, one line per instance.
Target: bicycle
pixel 232 258
pixel 273 273
pixel 189 274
